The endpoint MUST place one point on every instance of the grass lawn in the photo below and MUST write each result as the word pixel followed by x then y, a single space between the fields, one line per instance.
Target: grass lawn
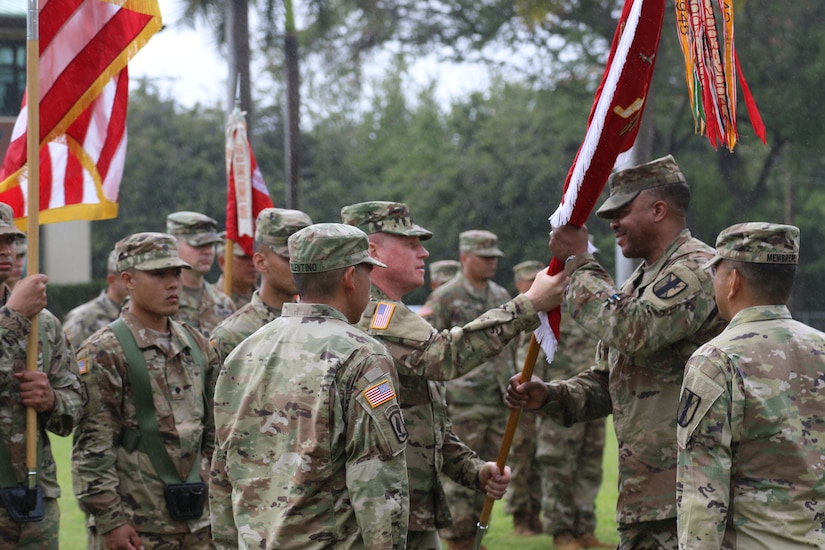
pixel 499 537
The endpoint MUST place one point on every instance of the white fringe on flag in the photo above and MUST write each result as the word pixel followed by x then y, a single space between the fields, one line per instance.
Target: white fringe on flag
pixel 594 130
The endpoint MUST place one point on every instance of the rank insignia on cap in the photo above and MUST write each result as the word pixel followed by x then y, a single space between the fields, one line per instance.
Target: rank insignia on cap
pixel 669 287
pixel 379 393
pixel 383 314
pixel 82 366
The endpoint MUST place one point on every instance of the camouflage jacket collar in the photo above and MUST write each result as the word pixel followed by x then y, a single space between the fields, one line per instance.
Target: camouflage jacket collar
pixel 266 312
pixel 312 310
pixel 652 271
pixel 378 295
pixel 178 341
pixel 760 313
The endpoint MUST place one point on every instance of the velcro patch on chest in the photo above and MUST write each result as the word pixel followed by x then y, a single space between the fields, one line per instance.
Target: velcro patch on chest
pixel 379 393
pixel 381 317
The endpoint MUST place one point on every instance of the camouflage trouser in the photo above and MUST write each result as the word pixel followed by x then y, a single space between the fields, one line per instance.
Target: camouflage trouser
pixel 199 540
pixel 423 540
pixel 523 497
pixel 570 465
pixel 649 535
pixel 480 427
pixel 37 535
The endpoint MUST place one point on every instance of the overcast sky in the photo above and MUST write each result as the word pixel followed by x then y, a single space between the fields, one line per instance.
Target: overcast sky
pixel 181 61
pixel 184 63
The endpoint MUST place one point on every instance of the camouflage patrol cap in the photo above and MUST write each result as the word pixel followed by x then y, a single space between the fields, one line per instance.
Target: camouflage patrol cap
pixel 479 242
pixel 7 226
pixel 444 270
pixel 111 261
pixel 148 252
pixel 193 227
pixel 327 246
pixel 274 226
pixel 383 217
pixel 625 185
pixel 526 271
pixel 758 242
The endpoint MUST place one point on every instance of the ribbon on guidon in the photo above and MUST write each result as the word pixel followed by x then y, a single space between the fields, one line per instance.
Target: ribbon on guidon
pixel 711 71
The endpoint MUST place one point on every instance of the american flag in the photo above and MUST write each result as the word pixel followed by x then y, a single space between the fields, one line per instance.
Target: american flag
pixel 382 316
pixel 379 393
pixel 84 48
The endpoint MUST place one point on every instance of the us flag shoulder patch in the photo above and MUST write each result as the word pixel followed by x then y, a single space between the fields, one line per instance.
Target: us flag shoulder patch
pixel 383 314
pixel 82 366
pixel 379 393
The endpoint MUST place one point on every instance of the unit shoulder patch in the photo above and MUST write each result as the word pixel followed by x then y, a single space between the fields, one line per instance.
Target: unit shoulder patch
pixel 669 287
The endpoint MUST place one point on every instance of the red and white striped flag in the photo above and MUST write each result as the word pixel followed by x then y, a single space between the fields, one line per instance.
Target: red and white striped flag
pixel 611 129
pixel 85 46
pixel 246 192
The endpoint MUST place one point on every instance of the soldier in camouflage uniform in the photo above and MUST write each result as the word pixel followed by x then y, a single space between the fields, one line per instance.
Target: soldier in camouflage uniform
pixel 474 399
pixel 751 420
pixel 244 274
pixel 647 328
pixel 88 318
pixel 425 357
pixel 442 271
pixel 53 391
pixel 568 460
pixel 202 305
pixel 272 229
pixel 119 479
pixel 307 415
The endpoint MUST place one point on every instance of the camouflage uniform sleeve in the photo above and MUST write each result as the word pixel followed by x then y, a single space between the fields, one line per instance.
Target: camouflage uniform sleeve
pixel 63 377
pixel 213 366
pixel 450 353
pixel 222 343
pixel 224 530
pixel 674 306
pixel 376 468
pixel 460 462
pixel 435 313
pixel 62 369
pixel 13 331
pixel 97 437
pixel 584 397
pixel 705 414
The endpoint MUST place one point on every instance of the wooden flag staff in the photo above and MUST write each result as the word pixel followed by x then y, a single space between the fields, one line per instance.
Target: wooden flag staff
pixel 32 228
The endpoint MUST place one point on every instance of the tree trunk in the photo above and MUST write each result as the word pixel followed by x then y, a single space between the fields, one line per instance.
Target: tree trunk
pixel 237 39
pixel 292 129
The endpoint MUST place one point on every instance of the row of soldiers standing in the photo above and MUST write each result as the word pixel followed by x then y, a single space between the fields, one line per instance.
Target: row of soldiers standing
pixel 118 463
pixel 324 435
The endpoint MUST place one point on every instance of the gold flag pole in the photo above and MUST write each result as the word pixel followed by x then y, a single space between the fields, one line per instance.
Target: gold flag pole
pixel 230 244
pixel 507 440
pixel 32 226
pixel 227 266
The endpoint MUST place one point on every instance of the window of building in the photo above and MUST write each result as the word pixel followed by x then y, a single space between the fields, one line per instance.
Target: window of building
pixel 12 76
